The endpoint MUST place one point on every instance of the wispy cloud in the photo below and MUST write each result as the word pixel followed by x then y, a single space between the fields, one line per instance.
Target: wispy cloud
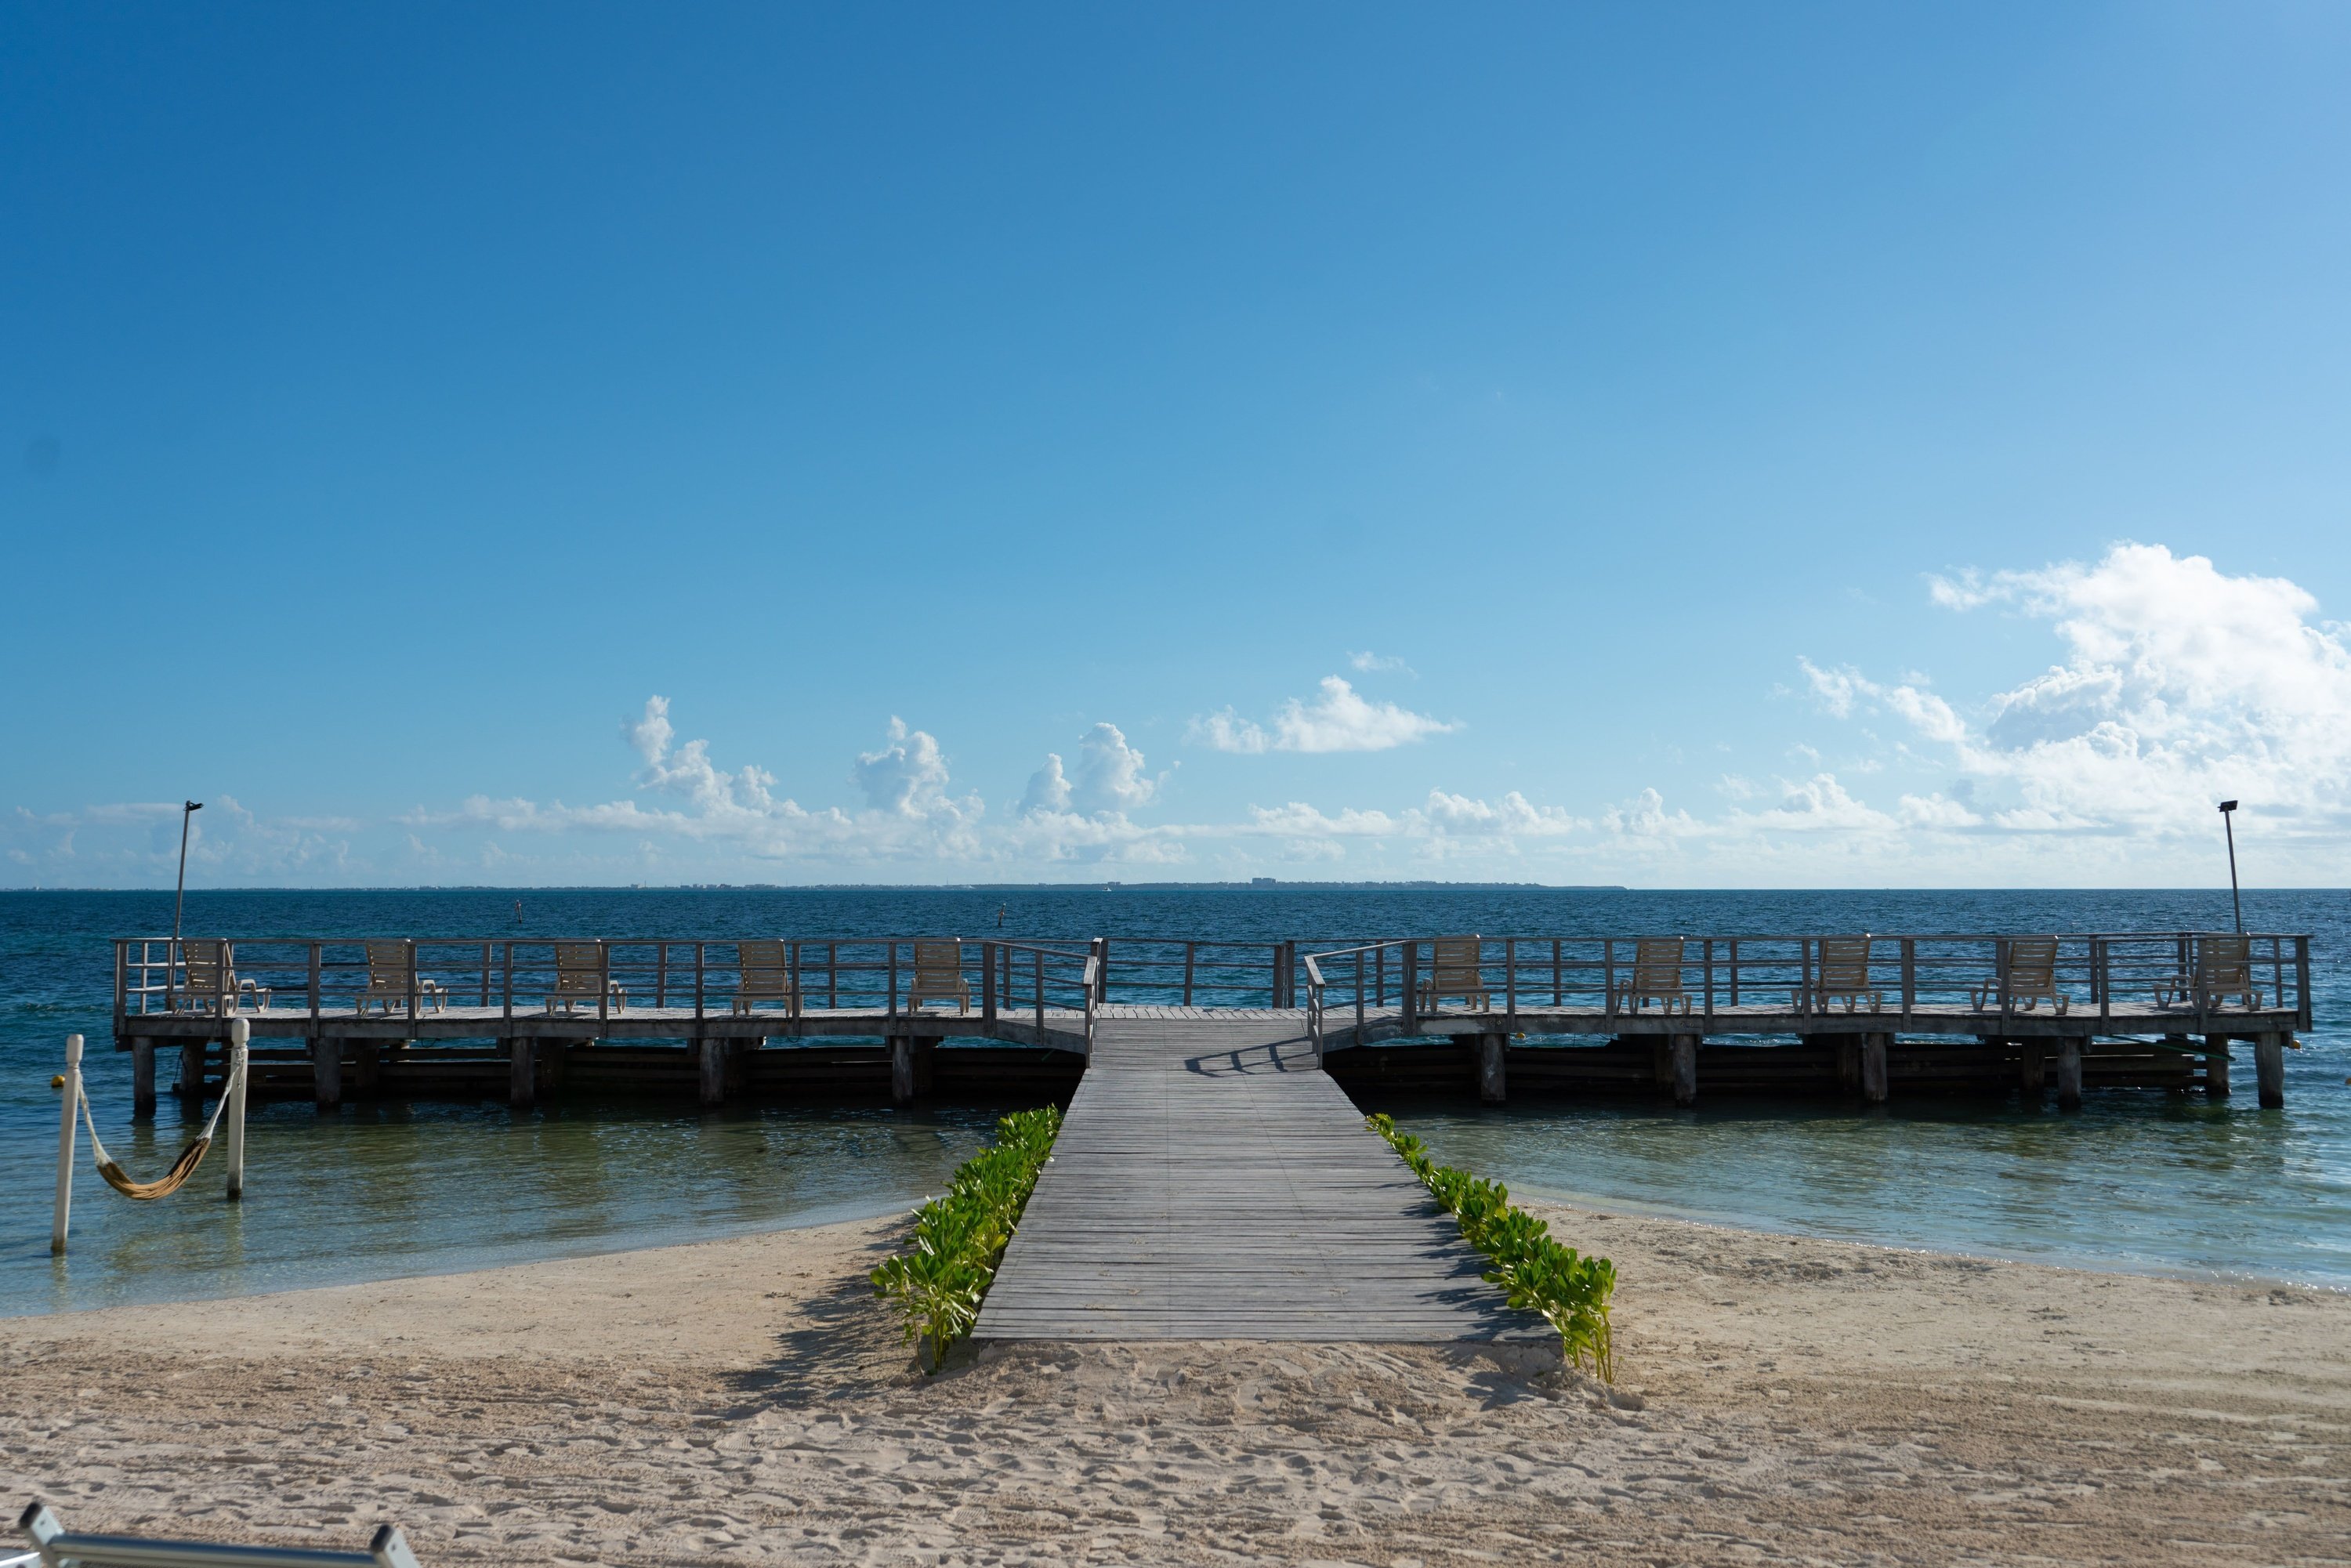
pixel 1370 663
pixel 1338 719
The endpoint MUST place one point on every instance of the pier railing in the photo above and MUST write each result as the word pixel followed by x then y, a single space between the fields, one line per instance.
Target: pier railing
pixel 499 978
pixel 1149 971
pixel 2095 974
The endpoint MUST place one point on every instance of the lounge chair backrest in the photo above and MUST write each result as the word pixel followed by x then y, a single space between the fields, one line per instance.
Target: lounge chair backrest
pixel 1845 964
pixel 1456 962
pixel 2031 963
pixel 2224 963
pixel 767 967
pixel 578 969
pixel 939 963
pixel 387 969
pixel 206 959
pixel 1657 964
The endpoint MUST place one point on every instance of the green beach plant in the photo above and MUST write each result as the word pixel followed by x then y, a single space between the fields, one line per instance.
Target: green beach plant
pixel 1536 1272
pixel 959 1238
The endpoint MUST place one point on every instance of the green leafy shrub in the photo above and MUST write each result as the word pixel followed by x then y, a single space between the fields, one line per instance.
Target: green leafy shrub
pixel 959 1238
pixel 1536 1272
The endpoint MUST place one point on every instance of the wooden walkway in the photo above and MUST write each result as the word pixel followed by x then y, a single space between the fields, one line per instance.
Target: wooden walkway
pixel 1211 1183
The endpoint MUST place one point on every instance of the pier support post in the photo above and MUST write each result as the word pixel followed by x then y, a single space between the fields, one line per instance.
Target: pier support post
pixel 1491 1087
pixel 143 1076
pixel 2180 1042
pixel 1685 1050
pixel 522 1073
pixel 2033 1070
pixel 713 1053
pixel 1848 1064
pixel 326 1073
pixel 2269 1070
pixel 2069 1075
pixel 925 1051
pixel 2216 1066
pixel 902 1068
pixel 1874 1051
pixel 191 1069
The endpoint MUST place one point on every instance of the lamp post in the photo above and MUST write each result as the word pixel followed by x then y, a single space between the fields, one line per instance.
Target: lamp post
pixel 180 897
pixel 2228 825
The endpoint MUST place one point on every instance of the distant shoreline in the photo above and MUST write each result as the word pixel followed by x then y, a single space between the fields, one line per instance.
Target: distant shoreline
pixel 1257 885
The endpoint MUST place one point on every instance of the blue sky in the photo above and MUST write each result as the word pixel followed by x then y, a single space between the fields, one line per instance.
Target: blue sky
pixel 1703 446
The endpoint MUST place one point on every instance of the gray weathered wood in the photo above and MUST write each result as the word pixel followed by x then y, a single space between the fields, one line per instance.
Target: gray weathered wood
pixel 2269 1070
pixel 522 1073
pixel 1684 1069
pixel 1492 1087
pixel 2216 1066
pixel 2069 1075
pixel 1874 1051
pixel 326 1071
pixel 1209 1183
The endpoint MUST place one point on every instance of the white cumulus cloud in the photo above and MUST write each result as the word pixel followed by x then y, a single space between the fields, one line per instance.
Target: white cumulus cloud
pixel 1338 719
pixel 2181 684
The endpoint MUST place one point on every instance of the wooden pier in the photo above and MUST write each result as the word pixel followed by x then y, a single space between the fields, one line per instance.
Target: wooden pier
pixel 1211 1183
pixel 1868 1018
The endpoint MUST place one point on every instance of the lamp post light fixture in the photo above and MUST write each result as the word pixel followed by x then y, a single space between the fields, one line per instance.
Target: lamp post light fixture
pixel 2228 825
pixel 180 896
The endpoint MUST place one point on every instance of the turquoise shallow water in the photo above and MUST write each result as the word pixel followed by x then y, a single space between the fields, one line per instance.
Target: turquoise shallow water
pixel 2135 1181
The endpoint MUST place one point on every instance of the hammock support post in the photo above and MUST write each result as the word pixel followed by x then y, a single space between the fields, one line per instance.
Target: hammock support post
pixel 240 1036
pixel 66 1146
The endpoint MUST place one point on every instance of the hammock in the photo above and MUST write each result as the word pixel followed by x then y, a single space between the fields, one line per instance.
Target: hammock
pixel 171 1181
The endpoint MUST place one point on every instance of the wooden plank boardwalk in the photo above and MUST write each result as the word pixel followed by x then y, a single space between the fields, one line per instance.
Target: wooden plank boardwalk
pixel 1211 1183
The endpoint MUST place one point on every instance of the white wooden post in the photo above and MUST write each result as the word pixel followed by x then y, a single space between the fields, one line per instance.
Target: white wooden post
pixel 66 1145
pixel 240 1038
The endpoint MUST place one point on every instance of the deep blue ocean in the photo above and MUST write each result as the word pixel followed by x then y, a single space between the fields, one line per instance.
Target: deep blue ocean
pixel 2138 1180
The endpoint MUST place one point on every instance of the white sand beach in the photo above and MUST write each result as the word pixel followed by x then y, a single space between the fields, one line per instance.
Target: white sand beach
pixel 747 1401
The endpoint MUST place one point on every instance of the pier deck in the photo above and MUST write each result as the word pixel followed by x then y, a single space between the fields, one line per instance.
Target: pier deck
pixel 1210 1182
pixel 1864 1016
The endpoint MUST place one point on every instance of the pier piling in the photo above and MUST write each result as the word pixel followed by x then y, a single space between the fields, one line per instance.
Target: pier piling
pixel 2069 1075
pixel 142 1077
pixel 326 1073
pixel 1492 1087
pixel 522 1073
pixel 1685 1055
pixel 2269 1070
pixel 712 1049
pixel 1873 1066
pixel 2216 1066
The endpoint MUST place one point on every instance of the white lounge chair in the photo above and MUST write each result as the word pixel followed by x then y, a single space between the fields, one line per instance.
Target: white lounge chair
pixel 1656 977
pixel 2031 977
pixel 580 976
pixel 387 980
pixel 1455 969
pixel 766 975
pixel 1844 974
pixel 938 973
pixel 210 982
